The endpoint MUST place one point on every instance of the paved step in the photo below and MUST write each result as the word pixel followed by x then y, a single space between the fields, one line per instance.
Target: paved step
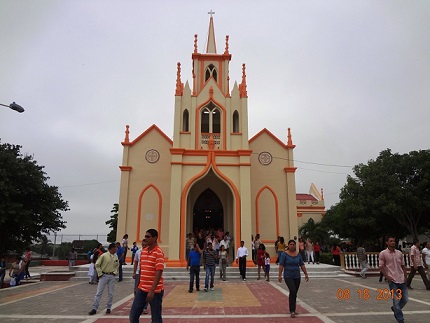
pixel 174 273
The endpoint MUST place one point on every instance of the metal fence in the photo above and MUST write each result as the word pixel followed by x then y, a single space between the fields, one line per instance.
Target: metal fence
pixel 59 238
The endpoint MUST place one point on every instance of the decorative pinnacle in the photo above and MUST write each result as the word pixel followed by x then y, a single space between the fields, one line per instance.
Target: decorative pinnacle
pixel 242 86
pixel 195 44
pixel 179 85
pixel 226 44
pixel 290 141
pixel 127 132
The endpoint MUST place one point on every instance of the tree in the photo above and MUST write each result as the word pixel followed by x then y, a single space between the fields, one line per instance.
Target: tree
pixel 389 195
pixel 29 207
pixel 314 231
pixel 113 222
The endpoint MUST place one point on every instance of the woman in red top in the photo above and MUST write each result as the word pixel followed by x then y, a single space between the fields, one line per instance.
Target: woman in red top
pixel 335 250
pixel 261 254
pixel 317 251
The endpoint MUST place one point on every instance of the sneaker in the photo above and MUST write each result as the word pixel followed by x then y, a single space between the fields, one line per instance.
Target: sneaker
pixel 293 315
pixel 190 291
pixel 244 279
pixel 212 288
pixel 108 311
pixel 223 280
pixel 205 289
pixel 92 312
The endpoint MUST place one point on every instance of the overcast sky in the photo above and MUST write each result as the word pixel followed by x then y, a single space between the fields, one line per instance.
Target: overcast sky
pixel 350 78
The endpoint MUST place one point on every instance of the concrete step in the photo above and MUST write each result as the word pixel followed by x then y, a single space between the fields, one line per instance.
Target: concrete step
pixel 174 273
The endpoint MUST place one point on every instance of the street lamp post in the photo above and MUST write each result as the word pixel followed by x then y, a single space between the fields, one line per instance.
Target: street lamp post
pixel 14 106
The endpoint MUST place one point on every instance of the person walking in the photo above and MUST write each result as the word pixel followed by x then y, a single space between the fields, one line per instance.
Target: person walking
pixel 317 252
pixel 267 266
pixel 121 258
pixel 335 251
pixel 189 245
pixel 150 280
pixel 2 270
pixel 133 250
pixel 223 257
pixel 417 265
pixel 261 254
pixel 136 271
pixel 73 255
pixel 392 265
pixel 280 248
pixel 362 259
pixel 257 243
pixel 27 259
pixel 290 263
pixel 241 254
pixel 193 265
pixel 426 258
pixel 107 267
pixel 209 261
pixel 310 251
pixel 124 244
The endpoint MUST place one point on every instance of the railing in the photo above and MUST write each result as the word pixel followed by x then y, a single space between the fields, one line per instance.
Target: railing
pixel 349 260
pixel 215 136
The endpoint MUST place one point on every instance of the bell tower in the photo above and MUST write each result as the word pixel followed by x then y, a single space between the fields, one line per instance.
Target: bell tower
pixel 210 147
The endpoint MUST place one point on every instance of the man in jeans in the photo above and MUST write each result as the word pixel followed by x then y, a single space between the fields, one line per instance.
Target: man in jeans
pixel 193 264
pixel 107 267
pixel 209 260
pixel 392 265
pixel 150 285
pixel 362 258
pixel 417 265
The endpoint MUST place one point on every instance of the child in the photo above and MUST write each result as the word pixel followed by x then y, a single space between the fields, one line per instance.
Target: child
pixel 133 251
pixel 267 266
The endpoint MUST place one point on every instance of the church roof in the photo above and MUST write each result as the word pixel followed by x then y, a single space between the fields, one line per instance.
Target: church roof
pixel 305 197
pixel 276 139
pixel 211 45
pixel 151 128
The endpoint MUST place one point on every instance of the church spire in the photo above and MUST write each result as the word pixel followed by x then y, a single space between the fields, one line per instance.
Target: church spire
pixel 211 46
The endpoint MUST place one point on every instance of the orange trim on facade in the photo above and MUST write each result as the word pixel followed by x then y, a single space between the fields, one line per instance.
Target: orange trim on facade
pixel 139 211
pixel 153 127
pixel 271 135
pixel 223 125
pixel 290 169
pixel 257 197
pixel 188 163
pixel 237 200
pixel 183 211
pixel 125 168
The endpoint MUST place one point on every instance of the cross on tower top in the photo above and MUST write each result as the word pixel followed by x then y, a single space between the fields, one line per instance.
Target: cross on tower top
pixel 211 13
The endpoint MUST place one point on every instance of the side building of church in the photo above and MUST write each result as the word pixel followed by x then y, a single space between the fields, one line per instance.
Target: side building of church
pixel 211 175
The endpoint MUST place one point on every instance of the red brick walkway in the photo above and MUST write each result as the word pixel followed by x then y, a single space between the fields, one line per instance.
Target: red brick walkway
pixel 231 302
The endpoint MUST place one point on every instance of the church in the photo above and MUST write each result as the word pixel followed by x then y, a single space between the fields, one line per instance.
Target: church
pixel 212 175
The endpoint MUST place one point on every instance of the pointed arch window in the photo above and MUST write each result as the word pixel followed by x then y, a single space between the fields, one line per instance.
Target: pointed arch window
pixel 211 71
pixel 236 122
pixel 210 119
pixel 186 121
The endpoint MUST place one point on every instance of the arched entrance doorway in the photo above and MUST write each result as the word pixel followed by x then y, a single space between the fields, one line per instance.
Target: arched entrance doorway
pixel 208 212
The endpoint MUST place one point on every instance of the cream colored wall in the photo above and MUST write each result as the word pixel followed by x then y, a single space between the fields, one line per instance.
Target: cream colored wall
pixel 275 177
pixel 143 174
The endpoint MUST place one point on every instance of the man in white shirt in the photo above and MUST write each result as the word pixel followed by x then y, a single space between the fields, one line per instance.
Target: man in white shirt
pixel 242 253
pixel 426 258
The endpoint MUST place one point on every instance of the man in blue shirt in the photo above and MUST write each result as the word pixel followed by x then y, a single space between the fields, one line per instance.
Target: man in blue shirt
pixel 121 258
pixel 194 265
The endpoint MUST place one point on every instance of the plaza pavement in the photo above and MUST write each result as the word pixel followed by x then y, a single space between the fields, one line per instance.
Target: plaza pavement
pixel 319 300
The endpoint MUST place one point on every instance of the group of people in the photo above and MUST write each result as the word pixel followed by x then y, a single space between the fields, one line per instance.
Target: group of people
pixel 19 269
pixel 148 268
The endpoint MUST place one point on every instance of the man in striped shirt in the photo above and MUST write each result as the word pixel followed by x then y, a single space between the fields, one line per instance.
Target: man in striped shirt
pixel 150 285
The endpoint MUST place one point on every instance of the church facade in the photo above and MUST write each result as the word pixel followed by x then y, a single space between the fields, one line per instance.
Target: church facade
pixel 211 175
